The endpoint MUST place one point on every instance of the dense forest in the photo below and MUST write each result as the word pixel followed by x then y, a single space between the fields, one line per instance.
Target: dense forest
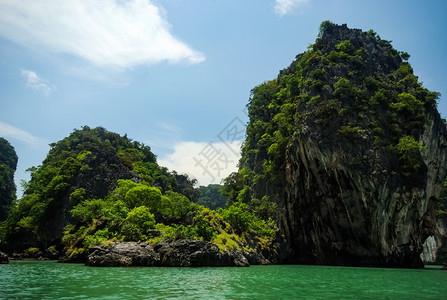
pixel 96 187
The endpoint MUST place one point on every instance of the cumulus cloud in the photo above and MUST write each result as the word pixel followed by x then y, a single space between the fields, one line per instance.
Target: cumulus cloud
pixel 35 82
pixel 8 131
pixel 284 7
pixel 206 162
pixel 106 33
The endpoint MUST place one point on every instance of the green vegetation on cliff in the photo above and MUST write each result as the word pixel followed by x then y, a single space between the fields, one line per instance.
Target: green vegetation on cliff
pixel 354 91
pixel 8 165
pixel 96 186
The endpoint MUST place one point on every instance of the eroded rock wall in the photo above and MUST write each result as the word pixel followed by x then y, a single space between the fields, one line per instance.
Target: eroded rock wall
pixel 333 213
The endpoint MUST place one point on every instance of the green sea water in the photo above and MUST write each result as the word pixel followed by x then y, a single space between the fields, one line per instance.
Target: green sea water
pixel 51 280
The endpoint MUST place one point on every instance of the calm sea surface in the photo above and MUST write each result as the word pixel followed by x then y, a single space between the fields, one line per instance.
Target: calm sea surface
pixel 51 280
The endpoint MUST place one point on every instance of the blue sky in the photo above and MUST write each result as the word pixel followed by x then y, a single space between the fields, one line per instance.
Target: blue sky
pixel 177 74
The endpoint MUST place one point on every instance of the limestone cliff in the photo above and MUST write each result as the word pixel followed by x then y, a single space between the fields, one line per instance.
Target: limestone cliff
pixel 434 247
pixel 350 146
pixel 334 214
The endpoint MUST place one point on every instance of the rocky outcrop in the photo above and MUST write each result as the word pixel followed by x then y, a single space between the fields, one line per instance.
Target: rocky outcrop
pixel 434 246
pixel 336 215
pixel 123 255
pixel 349 198
pixel 429 249
pixel 350 146
pixel 179 253
pixel 105 169
pixel 76 258
pixel 97 174
pixel 38 255
pixel 192 253
pixel 255 258
pixel 4 259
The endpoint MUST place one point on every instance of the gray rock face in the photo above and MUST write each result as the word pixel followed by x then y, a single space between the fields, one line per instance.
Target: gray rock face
pixel 4 259
pixel 334 214
pixel 348 199
pixel 179 253
pixel 374 58
pixel 255 258
pixel 434 243
pixel 123 255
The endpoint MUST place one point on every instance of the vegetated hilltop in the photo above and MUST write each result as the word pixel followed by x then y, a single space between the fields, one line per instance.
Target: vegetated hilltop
pixel 96 189
pixel 8 165
pixel 349 147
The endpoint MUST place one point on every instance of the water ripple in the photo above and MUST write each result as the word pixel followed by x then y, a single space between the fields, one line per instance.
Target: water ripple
pixel 50 280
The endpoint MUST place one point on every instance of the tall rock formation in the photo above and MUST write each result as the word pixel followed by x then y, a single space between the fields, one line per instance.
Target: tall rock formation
pixel 351 148
pixel 334 213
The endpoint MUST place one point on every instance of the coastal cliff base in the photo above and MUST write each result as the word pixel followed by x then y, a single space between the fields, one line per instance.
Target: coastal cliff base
pixel 179 253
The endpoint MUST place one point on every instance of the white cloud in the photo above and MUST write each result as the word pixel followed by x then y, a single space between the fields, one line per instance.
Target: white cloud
pixel 35 82
pixel 206 162
pixel 106 33
pixel 8 131
pixel 284 7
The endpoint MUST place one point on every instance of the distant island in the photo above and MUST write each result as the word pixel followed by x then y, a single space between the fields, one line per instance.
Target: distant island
pixel 344 163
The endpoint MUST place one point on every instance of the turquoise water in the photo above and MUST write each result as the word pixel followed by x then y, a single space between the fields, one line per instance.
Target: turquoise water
pixel 51 280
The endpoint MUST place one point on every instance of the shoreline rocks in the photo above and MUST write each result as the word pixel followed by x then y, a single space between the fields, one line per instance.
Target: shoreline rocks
pixel 48 254
pixel 178 253
pixel 4 259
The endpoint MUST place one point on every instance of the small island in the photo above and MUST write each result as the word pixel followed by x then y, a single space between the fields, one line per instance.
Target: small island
pixel 344 163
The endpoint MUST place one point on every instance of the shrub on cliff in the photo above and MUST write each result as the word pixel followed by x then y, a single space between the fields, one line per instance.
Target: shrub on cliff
pixel 8 165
